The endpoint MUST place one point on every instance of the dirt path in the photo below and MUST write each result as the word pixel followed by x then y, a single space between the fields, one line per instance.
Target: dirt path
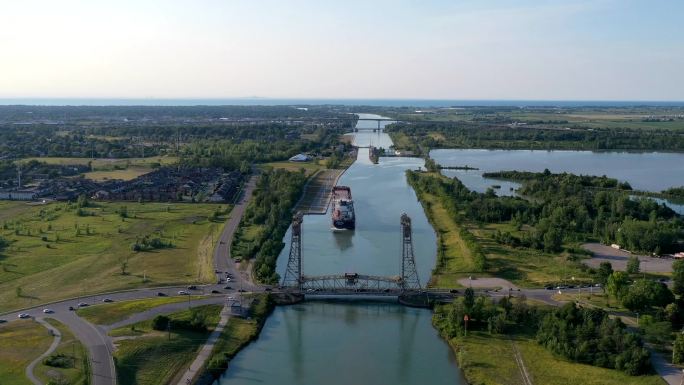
pixel 55 343
pixel 521 364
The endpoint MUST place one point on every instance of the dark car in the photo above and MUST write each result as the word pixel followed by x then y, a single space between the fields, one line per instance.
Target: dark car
pixel 228 287
pixel 215 292
pixel 2 321
pixel 192 287
pixel 242 290
pixel 71 308
pixel 453 291
pixel 548 287
pixel 160 294
pixel 107 300
pixel 268 289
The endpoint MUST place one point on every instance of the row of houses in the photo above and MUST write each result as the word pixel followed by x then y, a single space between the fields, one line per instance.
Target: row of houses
pixel 162 185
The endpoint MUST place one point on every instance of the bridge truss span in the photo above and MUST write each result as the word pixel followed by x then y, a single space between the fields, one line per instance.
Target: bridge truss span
pixel 351 283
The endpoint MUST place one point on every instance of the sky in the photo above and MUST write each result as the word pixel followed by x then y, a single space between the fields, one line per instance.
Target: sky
pixel 457 49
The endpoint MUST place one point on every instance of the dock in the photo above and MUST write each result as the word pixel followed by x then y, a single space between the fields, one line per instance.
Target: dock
pixel 318 192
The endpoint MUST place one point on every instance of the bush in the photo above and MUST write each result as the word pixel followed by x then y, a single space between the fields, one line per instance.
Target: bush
pixel 217 366
pixel 59 361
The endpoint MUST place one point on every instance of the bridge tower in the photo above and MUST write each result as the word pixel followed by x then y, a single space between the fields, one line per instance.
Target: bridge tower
pixel 409 274
pixel 293 273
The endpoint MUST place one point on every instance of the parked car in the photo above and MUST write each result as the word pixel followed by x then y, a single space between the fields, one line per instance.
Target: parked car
pixel 453 291
pixel 231 298
pixel 48 311
pixel 23 315
pixel 268 289
pixel 183 292
pixel 107 300
pixel 160 294
pixel 82 304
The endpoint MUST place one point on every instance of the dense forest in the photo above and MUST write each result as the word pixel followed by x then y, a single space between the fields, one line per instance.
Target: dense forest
pixel 267 218
pixel 424 136
pixel 562 208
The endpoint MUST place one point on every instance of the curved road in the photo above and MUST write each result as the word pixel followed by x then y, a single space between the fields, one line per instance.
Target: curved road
pixel 53 346
pixel 95 338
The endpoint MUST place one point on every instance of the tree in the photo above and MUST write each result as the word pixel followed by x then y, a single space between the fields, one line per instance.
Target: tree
pixel 469 298
pixel 123 264
pixel 633 265
pixel 678 349
pixel 678 276
pixel 82 201
pixel 604 271
pixel 645 293
pixel 617 285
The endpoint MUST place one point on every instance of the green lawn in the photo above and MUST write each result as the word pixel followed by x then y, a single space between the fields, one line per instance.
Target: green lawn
pixel 489 359
pixel 55 253
pixel 150 357
pixel 71 347
pixel 108 163
pixel 21 342
pixel 309 167
pixel 109 313
pixel 127 174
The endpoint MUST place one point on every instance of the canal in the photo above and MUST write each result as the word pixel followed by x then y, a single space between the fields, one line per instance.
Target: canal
pixel 327 342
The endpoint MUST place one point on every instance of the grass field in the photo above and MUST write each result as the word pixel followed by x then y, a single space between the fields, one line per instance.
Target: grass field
pixel 149 357
pixel 489 359
pixel 108 163
pixel 309 167
pixel 55 253
pixel 525 267
pixel 127 174
pixel 71 347
pixel 109 313
pixel 21 342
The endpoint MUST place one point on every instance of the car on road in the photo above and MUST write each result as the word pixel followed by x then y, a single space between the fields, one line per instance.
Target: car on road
pixel 107 300
pixel 192 287
pixel 23 315
pixel 82 304
pixel 183 292
pixel 160 294
pixel 268 289
pixel 215 291
pixel 548 287
pixel 71 308
pixel 229 279
pixel 217 271
pixel 453 291
pixel 242 290
pixel 2 321
pixel 48 311
pixel 228 287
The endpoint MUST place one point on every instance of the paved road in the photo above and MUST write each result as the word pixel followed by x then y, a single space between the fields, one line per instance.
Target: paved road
pixel 205 352
pixel 618 259
pixel 53 346
pixel 222 258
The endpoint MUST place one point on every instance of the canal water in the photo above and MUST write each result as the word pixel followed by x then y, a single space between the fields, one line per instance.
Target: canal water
pixel 342 342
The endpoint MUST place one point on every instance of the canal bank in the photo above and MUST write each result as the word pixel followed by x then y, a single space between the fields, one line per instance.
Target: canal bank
pixel 342 342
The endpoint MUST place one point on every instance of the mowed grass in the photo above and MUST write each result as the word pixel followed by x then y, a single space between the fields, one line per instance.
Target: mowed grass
pixel 71 347
pixel 107 163
pixel 127 174
pixel 21 342
pixel 56 254
pixel 489 360
pixel 151 357
pixel 109 313
pixel 309 167
pixel 455 260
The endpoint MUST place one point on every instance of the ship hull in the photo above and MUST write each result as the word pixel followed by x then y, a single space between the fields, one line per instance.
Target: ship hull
pixel 343 225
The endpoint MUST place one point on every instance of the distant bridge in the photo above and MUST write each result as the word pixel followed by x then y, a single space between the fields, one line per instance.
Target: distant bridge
pixel 405 285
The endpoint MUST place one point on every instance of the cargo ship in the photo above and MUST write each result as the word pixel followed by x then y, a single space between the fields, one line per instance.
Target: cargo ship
pixel 343 216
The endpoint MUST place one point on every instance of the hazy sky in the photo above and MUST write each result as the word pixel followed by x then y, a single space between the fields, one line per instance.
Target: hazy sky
pixel 597 49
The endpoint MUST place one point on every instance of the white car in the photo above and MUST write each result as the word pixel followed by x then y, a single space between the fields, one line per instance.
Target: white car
pixel 82 304
pixel 231 298
pixel 182 292
pixel 48 311
pixel 23 315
